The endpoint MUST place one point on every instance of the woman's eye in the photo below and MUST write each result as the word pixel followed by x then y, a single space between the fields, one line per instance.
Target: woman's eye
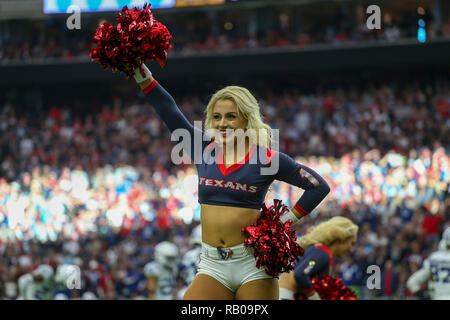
pixel 216 117
pixel 231 116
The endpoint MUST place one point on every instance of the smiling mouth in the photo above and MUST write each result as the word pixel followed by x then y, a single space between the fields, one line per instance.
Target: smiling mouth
pixel 226 133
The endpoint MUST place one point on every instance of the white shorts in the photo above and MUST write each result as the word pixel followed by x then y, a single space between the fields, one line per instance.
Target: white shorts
pixel 286 294
pixel 231 269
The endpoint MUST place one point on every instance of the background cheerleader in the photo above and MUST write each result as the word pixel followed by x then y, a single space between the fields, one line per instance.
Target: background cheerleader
pixel 333 238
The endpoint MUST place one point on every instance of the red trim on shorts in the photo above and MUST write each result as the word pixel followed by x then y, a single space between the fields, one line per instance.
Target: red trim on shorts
pixel 300 210
pixel 149 88
pixel 308 291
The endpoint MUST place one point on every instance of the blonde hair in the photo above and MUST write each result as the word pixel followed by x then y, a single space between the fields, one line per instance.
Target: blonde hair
pixel 248 108
pixel 335 229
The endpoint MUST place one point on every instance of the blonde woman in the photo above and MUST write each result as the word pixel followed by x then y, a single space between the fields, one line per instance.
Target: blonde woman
pixel 332 238
pixel 231 187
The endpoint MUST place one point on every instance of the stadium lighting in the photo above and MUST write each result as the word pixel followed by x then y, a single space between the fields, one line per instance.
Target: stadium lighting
pixel 421 32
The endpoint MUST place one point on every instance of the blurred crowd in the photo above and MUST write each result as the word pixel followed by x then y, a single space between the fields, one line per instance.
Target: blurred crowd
pixel 98 189
pixel 34 41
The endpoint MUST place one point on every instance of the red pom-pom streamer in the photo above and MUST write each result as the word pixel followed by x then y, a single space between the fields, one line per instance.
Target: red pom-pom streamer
pixel 136 38
pixel 275 245
pixel 330 288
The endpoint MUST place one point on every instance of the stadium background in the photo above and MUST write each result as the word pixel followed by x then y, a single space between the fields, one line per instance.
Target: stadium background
pixel 85 170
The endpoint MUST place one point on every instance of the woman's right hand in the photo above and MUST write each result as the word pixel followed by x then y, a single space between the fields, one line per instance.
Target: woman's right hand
pixel 143 80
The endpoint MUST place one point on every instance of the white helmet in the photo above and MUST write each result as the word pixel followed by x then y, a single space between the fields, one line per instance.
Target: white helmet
pixel 196 235
pixel 43 270
pixel 61 296
pixel 63 272
pixel 88 296
pixel 166 253
pixel 444 244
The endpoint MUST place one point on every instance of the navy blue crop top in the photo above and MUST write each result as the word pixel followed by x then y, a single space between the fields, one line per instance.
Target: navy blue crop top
pixel 316 261
pixel 242 184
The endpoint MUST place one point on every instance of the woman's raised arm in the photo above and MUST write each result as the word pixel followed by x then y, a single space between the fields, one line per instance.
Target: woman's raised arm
pixel 167 109
pixel 165 106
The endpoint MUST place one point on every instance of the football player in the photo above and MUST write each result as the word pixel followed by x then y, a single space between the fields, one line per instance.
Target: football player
pixel 67 277
pixel 38 284
pixel 435 268
pixel 189 263
pixel 162 272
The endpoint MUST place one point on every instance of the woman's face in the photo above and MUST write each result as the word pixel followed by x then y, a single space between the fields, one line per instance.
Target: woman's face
pixel 346 246
pixel 226 119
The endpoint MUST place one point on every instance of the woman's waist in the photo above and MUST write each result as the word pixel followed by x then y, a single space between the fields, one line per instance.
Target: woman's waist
pixel 287 281
pixel 226 253
pixel 230 202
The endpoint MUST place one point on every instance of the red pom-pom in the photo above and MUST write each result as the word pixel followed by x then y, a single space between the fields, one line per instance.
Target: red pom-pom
pixel 330 288
pixel 136 38
pixel 275 245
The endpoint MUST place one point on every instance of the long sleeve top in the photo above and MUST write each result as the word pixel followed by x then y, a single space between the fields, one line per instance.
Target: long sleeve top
pixel 243 184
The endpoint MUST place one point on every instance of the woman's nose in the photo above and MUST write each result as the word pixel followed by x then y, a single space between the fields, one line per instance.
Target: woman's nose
pixel 222 123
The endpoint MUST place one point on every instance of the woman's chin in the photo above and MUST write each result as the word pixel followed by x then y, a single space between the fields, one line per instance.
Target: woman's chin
pixel 226 141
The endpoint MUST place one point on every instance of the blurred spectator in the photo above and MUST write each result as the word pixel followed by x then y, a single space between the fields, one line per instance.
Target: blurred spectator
pixel 389 279
pixel 97 188
pixel 36 41
pixel 431 225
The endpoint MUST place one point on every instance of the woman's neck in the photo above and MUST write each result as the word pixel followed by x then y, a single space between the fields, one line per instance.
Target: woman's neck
pixel 333 248
pixel 237 152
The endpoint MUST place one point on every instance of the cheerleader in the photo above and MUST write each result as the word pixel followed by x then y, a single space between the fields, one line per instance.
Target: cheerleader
pixel 333 238
pixel 232 189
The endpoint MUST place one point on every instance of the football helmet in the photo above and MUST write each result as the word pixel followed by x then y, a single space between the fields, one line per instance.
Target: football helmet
pixel 196 235
pixel 61 296
pixel 166 253
pixel 44 270
pixel 63 271
pixel 89 296
pixel 444 244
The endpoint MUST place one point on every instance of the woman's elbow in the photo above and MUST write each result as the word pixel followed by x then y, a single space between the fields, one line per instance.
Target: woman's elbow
pixel 302 280
pixel 325 188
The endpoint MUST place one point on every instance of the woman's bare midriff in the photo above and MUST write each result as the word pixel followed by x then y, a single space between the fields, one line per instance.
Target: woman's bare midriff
pixel 222 225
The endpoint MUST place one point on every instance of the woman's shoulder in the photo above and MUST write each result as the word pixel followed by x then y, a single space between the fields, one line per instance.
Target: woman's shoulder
pixel 266 153
pixel 322 249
